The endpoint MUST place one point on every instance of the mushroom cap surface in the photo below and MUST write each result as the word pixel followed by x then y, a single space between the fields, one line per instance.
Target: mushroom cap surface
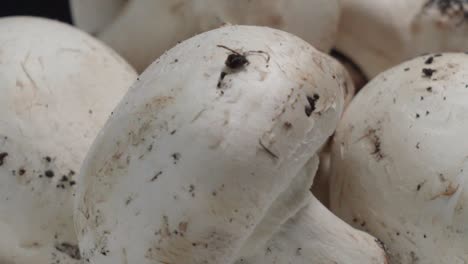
pixel 399 171
pixel 58 85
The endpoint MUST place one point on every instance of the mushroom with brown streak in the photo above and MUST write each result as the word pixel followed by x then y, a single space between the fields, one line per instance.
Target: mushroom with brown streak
pixel 141 30
pixel 378 35
pixel 400 170
pixel 58 85
pixel 206 163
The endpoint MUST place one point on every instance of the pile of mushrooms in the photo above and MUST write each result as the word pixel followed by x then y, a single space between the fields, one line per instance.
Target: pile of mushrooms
pixel 141 30
pixel 246 139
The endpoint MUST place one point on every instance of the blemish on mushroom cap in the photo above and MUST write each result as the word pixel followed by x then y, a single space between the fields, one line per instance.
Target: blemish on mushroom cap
pixel 217 141
pixel 3 155
pixel 427 72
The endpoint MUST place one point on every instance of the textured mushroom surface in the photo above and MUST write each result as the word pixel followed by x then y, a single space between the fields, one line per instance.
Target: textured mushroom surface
pixel 400 170
pixel 210 156
pixel 58 86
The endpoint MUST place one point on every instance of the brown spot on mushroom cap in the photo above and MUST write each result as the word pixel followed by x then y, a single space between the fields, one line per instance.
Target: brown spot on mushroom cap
pixel 312 100
pixel 3 155
pixel 429 60
pixel 428 72
pixel 449 191
pixel 183 227
pixel 420 185
pixel 71 250
pixel 176 156
pixel 156 176
pixel 374 138
pixel 287 125
pixel 49 173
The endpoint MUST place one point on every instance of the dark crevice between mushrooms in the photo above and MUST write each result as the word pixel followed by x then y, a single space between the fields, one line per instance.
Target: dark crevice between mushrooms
pixel 356 73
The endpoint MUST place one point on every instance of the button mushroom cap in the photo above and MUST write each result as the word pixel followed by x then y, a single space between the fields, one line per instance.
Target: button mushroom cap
pixel 400 170
pixel 380 34
pixel 58 86
pixel 142 30
pixel 206 163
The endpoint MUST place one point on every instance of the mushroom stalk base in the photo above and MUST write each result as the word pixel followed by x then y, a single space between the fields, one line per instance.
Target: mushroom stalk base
pixel 315 235
pixel 299 229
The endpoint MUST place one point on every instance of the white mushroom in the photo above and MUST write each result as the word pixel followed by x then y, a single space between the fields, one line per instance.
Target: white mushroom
pixel 204 159
pixel 58 86
pixel 380 34
pixel 400 160
pixel 141 30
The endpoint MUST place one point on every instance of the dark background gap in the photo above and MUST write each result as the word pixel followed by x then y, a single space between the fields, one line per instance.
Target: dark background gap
pixel 54 9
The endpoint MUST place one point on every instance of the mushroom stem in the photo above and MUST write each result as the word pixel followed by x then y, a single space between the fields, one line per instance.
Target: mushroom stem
pixel 295 197
pixel 296 219
pixel 339 243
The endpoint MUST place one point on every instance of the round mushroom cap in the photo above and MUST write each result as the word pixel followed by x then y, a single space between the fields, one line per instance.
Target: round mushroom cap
pixel 141 30
pixel 58 86
pixel 204 145
pixel 378 35
pixel 399 169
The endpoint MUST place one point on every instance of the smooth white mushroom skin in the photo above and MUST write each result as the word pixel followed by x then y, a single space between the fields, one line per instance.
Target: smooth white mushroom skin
pixel 202 162
pixel 143 29
pixel 377 35
pixel 58 86
pixel 400 170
